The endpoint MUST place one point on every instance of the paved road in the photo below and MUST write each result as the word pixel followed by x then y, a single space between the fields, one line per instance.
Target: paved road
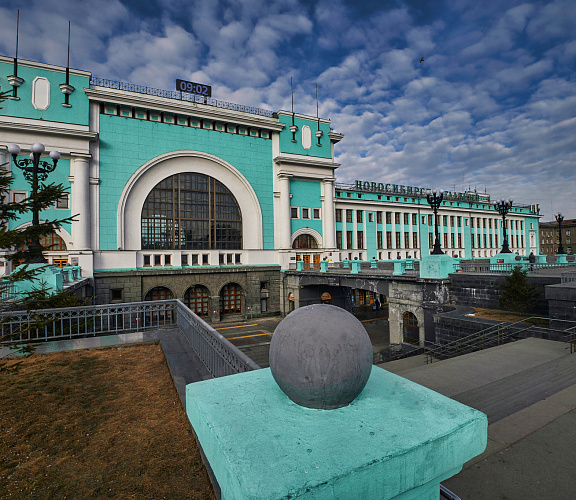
pixel 254 337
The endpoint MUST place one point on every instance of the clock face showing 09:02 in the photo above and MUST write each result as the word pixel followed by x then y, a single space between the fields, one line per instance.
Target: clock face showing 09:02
pixel 194 88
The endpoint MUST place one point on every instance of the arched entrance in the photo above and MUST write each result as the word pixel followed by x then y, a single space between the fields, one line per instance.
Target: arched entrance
pixel 410 330
pixel 161 315
pixel 231 299
pixel 159 293
pixel 307 242
pixel 54 249
pixel 196 299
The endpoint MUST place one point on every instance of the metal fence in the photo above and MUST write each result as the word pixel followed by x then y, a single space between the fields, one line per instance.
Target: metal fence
pixel 181 96
pixel 218 355
pixel 501 268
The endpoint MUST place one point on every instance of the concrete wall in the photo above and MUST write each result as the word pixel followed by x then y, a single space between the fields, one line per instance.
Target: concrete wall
pixel 562 305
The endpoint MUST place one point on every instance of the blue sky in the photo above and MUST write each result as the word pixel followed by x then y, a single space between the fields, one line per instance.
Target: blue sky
pixel 492 106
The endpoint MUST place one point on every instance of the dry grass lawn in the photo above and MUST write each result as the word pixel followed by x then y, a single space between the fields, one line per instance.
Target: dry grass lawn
pixel 97 423
pixel 508 316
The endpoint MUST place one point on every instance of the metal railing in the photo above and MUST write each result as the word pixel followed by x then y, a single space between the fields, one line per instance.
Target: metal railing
pixel 487 267
pixel 218 355
pixel 181 96
pixel 499 334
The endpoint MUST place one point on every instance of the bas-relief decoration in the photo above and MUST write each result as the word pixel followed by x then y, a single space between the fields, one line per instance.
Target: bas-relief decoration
pixel 41 93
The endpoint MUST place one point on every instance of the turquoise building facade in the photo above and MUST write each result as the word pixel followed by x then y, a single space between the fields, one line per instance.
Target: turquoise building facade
pixel 178 195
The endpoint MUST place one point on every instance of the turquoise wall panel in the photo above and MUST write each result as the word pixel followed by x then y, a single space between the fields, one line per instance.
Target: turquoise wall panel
pixel 59 176
pixel 306 194
pixel 126 144
pixel 370 238
pixel 23 108
pixel 287 146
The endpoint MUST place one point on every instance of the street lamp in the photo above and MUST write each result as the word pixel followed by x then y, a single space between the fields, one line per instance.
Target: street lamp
pixel 434 200
pixel 559 219
pixel 34 170
pixel 503 208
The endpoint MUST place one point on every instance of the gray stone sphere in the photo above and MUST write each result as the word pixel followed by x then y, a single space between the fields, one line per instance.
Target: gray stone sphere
pixel 321 356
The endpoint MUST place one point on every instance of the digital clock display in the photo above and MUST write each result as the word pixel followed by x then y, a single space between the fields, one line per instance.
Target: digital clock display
pixel 194 88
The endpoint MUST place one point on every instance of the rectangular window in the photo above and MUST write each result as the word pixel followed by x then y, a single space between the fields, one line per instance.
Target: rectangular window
pixel 360 239
pixel 264 285
pixel 414 239
pixel 370 217
pixel 157 260
pixel 479 241
pixel 406 240
pixel 380 239
pixel 444 220
pixel 338 215
pixel 378 217
pixel 430 221
pixel 349 239
pixel 406 218
pixel 430 240
pixel 398 240
pixel 445 240
pixel 348 215
pixel 62 202
pixel 414 219
pixel 459 240
pixel 388 217
pixel 490 240
pixel 146 260
pixel 485 240
pixel 452 242
pixel 471 221
pixel 305 213
pixel 359 216
pixel 339 239
pixel 263 305
pixel 229 258
pixel 452 220
pixel 167 260
pixel 484 222
pixel 205 259
pixel 459 221
pixel 19 196
pixel 473 241
pixel 495 240
pixel 315 213
pixel 195 259
pixel 423 219
pixel 388 239
pixel 397 217
pixel 522 240
pixel 294 212
pixel 184 260
pixel 238 258
pixel 116 293
pixel 489 223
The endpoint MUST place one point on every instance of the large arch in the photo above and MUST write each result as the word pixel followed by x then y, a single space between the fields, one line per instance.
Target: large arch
pixel 307 230
pixel 152 172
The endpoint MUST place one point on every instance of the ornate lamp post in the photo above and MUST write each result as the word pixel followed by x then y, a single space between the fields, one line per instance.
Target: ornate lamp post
pixel 503 208
pixel 559 219
pixel 34 170
pixel 434 200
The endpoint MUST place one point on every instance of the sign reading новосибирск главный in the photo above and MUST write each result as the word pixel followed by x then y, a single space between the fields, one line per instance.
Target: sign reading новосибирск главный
pixel 411 191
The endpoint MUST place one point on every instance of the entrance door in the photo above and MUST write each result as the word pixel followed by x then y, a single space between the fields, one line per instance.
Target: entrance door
pixel 316 260
pixel 411 332
pixel 306 259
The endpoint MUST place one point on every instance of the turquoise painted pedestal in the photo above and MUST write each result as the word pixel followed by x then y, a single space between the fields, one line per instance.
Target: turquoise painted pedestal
pixel 397 440
pixel 561 258
pixel 437 266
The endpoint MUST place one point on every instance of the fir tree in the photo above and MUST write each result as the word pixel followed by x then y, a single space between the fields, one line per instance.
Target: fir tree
pixel 517 294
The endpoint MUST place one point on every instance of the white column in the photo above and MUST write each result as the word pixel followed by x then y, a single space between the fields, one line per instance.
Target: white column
pixel 285 224
pixel 328 214
pixel 81 203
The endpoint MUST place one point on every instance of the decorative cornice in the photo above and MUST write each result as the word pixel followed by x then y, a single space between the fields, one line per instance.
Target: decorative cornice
pixel 335 137
pixel 306 161
pixel 43 128
pixel 133 99
pixel 303 117
pixel 49 67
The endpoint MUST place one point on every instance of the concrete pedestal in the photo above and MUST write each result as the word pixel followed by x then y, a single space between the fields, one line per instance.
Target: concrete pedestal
pixel 396 440
pixel 561 258
pixel 437 266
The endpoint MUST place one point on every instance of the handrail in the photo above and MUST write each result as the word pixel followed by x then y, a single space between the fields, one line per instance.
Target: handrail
pixel 182 96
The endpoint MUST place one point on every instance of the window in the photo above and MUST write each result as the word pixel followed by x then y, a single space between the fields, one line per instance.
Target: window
pixel 338 215
pixel 452 220
pixel 484 222
pixel 414 239
pixel 263 305
pixel 360 239
pixel 388 239
pixel 196 299
pixel 445 240
pixel 370 217
pixel 359 216
pixel 264 285
pixel 231 299
pixel 430 221
pixel 452 242
pixel 459 240
pixel 305 213
pixel 406 219
pixel 294 212
pixel 190 211
pixel 459 221
pixel 388 217
pixel 339 239
pixel 348 215
pixel 19 196
pixel 305 241
pixel 414 219
pixel 378 217
pixel 397 218
pixel 473 241
pixel 116 293
pixel 380 239
pixel 146 260
pixel 423 219
pixel 430 240
pixel 444 220
pixel 349 239
pixel 471 221
pixel 62 202
pixel 406 240
pixel 184 260
pixel 398 240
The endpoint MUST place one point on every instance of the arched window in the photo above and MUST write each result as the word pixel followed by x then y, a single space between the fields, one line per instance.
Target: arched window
pixel 196 298
pixel 231 299
pixel 190 211
pixel 159 293
pixel 305 241
pixel 410 328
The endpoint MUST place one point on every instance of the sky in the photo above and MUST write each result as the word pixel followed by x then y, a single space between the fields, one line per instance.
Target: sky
pixel 491 107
